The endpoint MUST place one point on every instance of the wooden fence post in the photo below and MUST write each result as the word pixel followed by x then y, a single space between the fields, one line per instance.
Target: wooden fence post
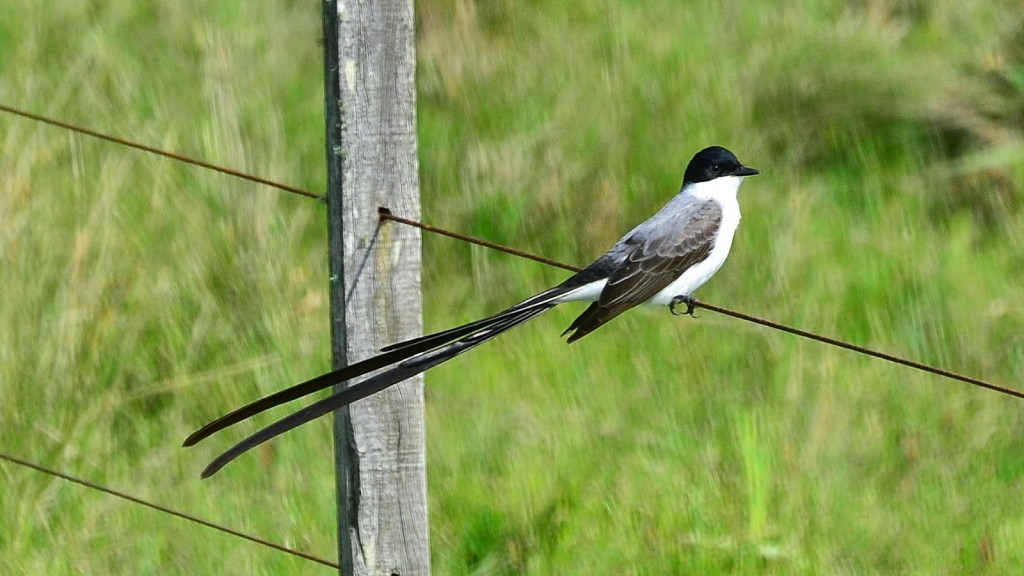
pixel 370 93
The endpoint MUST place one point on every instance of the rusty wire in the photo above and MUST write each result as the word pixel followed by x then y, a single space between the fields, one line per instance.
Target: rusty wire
pixel 164 509
pixel 166 154
pixel 386 215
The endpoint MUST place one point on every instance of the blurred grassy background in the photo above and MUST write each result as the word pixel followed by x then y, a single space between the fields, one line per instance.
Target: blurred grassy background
pixel 140 298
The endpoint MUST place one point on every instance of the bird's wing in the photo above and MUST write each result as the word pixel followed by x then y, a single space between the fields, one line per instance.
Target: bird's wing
pixel 654 256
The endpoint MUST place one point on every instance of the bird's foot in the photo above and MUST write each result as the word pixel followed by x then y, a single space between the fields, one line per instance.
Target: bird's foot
pixel 691 305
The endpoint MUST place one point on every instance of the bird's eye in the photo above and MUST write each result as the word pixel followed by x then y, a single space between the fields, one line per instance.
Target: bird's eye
pixel 716 169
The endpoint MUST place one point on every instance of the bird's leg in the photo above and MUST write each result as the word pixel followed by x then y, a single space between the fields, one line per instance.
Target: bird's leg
pixel 691 305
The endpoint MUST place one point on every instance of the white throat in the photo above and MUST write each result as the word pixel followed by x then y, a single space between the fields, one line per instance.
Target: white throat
pixel 722 190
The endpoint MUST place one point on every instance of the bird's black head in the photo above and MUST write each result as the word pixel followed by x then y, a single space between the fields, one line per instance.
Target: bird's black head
pixel 714 162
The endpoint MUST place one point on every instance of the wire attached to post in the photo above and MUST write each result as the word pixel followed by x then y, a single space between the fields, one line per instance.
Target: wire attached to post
pixel 385 214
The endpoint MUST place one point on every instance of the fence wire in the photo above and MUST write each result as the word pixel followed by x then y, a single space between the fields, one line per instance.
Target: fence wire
pixel 166 154
pixel 386 215
pixel 164 510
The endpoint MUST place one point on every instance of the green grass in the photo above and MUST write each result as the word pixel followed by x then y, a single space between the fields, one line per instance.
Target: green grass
pixel 140 298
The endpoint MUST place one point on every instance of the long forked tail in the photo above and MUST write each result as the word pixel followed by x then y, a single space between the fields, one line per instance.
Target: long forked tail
pixel 412 357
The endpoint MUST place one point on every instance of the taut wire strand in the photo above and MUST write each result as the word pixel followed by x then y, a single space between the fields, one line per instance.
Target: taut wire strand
pixel 386 214
pixel 93 486
pixel 159 152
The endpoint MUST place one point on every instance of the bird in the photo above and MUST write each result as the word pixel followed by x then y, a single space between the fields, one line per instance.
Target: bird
pixel 660 262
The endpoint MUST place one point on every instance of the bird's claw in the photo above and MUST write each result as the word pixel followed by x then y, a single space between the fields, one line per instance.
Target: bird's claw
pixel 691 305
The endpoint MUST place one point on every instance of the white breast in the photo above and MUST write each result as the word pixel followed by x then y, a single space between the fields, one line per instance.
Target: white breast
pixel 723 191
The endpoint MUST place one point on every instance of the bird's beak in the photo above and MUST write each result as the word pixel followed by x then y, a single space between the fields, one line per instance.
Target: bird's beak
pixel 745 171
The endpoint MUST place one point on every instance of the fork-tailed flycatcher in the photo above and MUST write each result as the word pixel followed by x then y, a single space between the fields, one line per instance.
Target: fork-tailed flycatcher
pixel 660 262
